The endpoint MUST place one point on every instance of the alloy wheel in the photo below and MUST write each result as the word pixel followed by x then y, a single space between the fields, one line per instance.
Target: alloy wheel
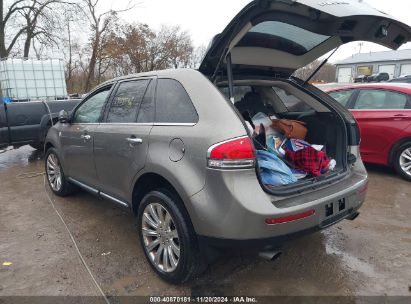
pixel 160 235
pixel 405 161
pixel 54 172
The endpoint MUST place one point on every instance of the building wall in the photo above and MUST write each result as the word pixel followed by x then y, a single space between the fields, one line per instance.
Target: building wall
pixel 375 66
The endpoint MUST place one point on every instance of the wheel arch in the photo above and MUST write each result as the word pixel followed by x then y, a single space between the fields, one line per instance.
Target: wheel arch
pixel 47 146
pixel 148 182
pixel 45 124
pixel 395 147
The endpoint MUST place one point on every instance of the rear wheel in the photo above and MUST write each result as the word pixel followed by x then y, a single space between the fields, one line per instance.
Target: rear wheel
pixel 55 175
pixel 169 241
pixel 402 161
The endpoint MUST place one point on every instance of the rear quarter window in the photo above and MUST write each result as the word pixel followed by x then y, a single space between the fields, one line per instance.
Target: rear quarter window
pixel 173 105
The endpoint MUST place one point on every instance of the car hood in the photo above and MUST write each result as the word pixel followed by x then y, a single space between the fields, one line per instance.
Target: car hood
pixel 281 36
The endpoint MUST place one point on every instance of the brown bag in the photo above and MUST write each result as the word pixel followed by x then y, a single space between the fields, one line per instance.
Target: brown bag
pixel 291 128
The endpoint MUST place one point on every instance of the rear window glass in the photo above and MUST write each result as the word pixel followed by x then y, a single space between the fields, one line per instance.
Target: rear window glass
pixel 282 36
pixel 291 102
pixel 173 104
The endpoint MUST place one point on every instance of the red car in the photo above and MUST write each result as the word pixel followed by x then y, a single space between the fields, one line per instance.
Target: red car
pixel 383 112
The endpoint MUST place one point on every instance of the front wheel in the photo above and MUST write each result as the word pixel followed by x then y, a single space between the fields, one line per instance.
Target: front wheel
pixel 168 239
pixel 55 175
pixel 402 161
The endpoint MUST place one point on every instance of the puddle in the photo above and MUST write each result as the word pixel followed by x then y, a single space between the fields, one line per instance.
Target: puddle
pixel 22 156
pixel 349 260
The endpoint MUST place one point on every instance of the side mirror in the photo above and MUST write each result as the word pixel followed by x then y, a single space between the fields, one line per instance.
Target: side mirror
pixel 64 116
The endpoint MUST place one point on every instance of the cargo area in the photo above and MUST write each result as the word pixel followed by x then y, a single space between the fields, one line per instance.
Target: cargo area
pixel 288 165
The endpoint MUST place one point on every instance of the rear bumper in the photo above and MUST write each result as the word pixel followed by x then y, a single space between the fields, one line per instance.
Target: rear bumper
pixel 271 242
pixel 233 208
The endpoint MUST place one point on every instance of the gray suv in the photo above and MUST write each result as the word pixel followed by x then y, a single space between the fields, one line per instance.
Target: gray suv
pixel 173 148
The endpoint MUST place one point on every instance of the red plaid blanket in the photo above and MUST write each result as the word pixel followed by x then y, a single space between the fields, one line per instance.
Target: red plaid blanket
pixel 309 160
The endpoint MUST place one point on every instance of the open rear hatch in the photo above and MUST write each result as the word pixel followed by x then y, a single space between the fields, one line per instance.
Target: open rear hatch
pixel 277 37
pixel 274 38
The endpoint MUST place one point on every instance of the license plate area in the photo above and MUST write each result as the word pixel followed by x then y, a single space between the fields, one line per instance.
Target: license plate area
pixel 335 211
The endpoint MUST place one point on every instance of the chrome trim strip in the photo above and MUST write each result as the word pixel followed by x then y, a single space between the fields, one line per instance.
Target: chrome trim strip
pixel 157 124
pixel 84 186
pixel 113 199
pixel 168 124
pixel 125 124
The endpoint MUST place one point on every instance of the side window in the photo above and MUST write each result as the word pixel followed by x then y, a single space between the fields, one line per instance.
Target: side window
pixel 343 97
pixel 90 110
pixel 291 102
pixel 128 97
pixel 173 105
pixel 395 101
pixel 147 108
pixel 380 100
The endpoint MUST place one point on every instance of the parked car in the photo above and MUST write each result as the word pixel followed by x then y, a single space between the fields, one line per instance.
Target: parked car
pixel 403 79
pixel 27 123
pixel 172 149
pixel 378 77
pixel 383 112
pixel 361 78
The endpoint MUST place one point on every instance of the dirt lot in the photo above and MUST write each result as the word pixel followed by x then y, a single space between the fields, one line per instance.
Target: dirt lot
pixel 370 256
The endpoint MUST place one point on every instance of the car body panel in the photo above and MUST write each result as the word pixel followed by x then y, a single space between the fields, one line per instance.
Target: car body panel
pixel 381 130
pixel 227 209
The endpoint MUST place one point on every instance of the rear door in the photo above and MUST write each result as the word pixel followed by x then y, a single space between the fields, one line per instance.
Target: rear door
pixel 24 121
pixel 382 116
pixel 121 140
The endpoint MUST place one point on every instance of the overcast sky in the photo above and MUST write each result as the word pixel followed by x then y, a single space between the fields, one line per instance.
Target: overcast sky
pixel 204 19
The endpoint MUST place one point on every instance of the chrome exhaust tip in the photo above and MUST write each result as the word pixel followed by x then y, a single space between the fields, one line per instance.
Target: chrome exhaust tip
pixel 353 216
pixel 270 255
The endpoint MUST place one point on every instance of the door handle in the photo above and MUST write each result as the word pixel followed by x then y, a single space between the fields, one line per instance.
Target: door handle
pixel 85 137
pixel 134 141
pixel 399 117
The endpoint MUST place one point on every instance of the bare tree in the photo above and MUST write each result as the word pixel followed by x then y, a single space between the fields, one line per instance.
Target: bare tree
pixel 7 15
pixel 100 23
pixel 197 57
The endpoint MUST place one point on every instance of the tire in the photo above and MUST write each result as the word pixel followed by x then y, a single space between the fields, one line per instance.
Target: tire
pixel 402 161
pixel 55 175
pixel 173 234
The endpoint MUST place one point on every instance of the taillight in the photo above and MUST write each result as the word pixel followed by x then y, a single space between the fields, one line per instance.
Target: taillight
pixel 237 153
